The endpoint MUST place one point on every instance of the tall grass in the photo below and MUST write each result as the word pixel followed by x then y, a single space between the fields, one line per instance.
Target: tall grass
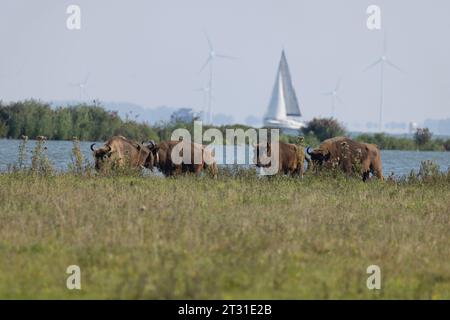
pixel 40 163
pixel 77 165
pixel 22 153
pixel 239 236
pixel 244 237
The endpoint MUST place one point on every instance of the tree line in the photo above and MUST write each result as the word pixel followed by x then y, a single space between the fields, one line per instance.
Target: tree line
pixel 86 122
pixel 91 122
pixel 422 138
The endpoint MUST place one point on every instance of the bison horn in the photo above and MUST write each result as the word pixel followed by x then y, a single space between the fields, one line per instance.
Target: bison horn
pixel 92 147
pixel 152 144
pixel 308 152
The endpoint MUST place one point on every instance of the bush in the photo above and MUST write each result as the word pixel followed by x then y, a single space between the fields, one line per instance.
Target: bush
pixel 422 136
pixel 40 163
pixel 324 128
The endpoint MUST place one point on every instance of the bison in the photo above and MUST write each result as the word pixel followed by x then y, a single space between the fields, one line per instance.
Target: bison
pixel 291 158
pixel 120 151
pixel 375 164
pixel 346 154
pixel 161 158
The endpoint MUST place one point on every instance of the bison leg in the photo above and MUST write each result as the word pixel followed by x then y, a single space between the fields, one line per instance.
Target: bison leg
pixel 366 175
pixel 298 171
pixel 178 169
pixel 213 170
pixel 198 168
pixel 365 169
pixel 377 171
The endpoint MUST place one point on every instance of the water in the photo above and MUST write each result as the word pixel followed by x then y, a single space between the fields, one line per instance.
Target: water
pixel 59 153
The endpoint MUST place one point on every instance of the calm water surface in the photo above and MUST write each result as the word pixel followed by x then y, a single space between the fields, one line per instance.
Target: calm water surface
pixel 59 153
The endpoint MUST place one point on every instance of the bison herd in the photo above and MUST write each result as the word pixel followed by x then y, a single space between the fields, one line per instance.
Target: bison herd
pixel 120 151
pixel 341 153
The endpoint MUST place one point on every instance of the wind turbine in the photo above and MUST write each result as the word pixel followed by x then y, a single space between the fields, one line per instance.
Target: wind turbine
pixel 212 55
pixel 82 87
pixel 383 60
pixel 334 96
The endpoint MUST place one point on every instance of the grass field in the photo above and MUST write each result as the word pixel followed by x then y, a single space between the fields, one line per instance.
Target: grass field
pixel 244 237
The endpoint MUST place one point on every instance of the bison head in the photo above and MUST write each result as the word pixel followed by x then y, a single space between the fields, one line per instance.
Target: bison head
pixel 101 155
pixel 261 154
pixel 319 156
pixel 153 157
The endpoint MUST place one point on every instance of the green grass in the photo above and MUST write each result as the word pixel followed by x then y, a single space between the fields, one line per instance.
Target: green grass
pixel 232 238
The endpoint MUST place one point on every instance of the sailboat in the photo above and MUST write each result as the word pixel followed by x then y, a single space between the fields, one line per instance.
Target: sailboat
pixel 283 111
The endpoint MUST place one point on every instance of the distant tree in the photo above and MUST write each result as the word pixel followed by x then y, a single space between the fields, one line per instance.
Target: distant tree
pixel 324 128
pixel 387 142
pixel 43 120
pixel 183 115
pixel 3 129
pixel 422 136
pixel 447 145
pixel 63 124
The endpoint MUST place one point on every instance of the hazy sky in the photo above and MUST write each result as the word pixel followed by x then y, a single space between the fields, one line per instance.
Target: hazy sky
pixel 149 52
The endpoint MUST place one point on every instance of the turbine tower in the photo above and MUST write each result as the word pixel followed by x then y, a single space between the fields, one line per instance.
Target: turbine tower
pixel 205 91
pixel 212 55
pixel 383 60
pixel 334 97
pixel 82 87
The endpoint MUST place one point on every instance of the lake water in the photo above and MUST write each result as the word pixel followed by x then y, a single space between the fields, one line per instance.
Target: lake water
pixel 59 153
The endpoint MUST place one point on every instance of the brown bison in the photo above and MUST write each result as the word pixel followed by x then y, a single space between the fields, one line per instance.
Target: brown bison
pixel 347 154
pixel 375 165
pixel 119 151
pixel 291 158
pixel 162 158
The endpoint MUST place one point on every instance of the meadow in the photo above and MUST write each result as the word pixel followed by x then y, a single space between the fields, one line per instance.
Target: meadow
pixel 237 237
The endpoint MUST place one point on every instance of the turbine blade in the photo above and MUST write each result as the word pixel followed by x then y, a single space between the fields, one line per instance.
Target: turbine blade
pixel 327 93
pixel 339 99
pixel 373 64
pixel 202 89
pixel 389 62
pixel 86 79
pixel 205 64
pixel 211 48
pixel 225 56
pixel 338 84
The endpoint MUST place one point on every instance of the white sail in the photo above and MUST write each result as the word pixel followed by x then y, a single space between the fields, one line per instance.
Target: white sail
pixel 292 108
pixel 283 103
pixel 277 105
pixel 284 100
